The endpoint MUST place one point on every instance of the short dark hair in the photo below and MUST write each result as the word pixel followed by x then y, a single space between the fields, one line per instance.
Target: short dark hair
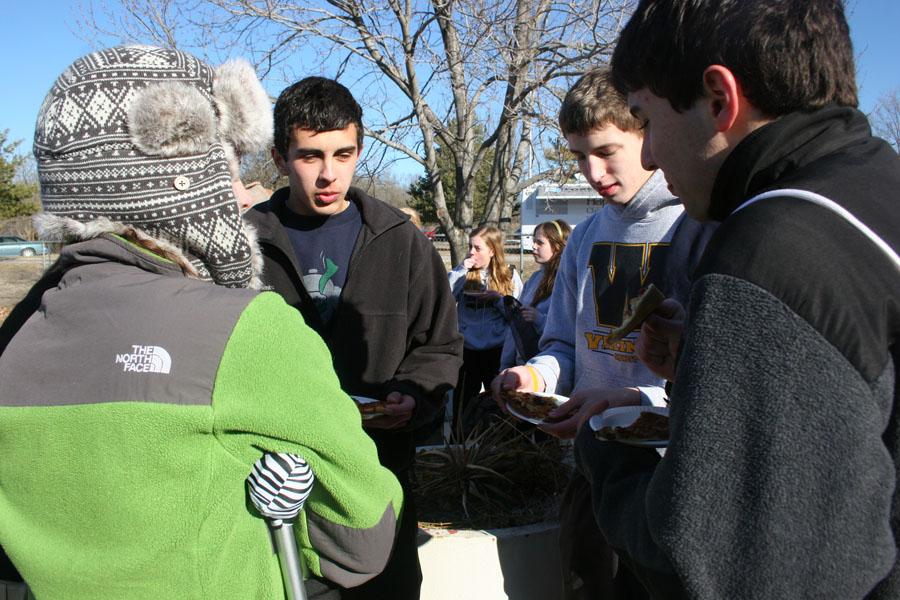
pixel 788 55
pixel 592 103
pixel 318 104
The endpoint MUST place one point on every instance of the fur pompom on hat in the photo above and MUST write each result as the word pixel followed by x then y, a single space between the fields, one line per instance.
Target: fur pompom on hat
pixel 239 95
pixel 135 138
pixel 171 119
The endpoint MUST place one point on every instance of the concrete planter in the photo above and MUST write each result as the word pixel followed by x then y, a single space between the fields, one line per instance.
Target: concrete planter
pixel 14 591
pixel 516 563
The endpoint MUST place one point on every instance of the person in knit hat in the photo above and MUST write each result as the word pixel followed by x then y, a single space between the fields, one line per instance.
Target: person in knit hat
pixel 143 375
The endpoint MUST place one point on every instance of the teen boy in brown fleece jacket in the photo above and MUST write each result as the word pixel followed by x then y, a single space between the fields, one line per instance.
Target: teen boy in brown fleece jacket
pixel 780 478
pixel 367 281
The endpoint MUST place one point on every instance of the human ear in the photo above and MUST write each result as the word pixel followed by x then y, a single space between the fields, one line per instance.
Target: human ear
pixel 724 97
pixel 279 161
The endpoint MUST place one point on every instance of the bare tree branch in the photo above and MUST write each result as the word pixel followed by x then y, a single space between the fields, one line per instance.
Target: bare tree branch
pixel 885 118
pixel 481 80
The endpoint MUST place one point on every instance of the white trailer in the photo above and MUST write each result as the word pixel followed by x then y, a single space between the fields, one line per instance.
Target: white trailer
pixel 571 202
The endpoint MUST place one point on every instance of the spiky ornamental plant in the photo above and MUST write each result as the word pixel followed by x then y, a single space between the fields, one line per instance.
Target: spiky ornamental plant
pixel 498 475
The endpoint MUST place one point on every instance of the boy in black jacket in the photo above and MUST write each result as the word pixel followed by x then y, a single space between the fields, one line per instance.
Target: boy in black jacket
pixel 780 478
pixel 368 281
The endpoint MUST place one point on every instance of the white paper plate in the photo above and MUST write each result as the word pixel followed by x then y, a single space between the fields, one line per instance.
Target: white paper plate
pixel 365 400
pixel 623 416
pixel 559 400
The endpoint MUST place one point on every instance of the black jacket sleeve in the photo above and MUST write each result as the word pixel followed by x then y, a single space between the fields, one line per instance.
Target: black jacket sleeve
pixel 434 345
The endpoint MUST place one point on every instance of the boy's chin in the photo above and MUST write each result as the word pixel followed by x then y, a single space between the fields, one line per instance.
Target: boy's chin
pixel 620 199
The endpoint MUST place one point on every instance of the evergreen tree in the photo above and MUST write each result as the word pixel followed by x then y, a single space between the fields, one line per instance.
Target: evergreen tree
pixel 16 198
pixel 421 190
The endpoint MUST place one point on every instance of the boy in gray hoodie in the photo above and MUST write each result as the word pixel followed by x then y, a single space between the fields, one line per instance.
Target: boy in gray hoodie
pixel 609 259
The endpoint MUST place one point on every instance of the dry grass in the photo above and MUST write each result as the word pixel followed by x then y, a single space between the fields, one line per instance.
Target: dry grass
pixel 17 275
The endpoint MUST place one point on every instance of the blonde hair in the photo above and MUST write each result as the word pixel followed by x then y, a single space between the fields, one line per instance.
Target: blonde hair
pixel 557 234
pixel 413 215
pixel 499 273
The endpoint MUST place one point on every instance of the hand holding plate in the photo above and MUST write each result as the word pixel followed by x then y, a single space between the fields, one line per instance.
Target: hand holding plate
pixel 516 379
pixel 398 411
pixel 584 404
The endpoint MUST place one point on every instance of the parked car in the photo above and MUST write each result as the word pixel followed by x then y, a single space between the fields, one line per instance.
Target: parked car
pixel 11 245
pixel 434 234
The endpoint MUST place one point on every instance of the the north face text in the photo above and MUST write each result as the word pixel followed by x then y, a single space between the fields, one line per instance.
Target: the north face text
pixel 145 359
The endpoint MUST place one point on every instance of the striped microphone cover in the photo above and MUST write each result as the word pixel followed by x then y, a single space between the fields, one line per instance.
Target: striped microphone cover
pixel 279 484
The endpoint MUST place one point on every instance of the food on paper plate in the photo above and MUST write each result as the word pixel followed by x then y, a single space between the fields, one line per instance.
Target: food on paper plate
pixel 639 309
pixel 648 426
pixel 530 405
pixel 373 408
pixel 369 407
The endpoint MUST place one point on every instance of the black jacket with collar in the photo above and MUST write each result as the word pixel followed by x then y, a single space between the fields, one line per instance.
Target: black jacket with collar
pixel 395 325
pixel 781 475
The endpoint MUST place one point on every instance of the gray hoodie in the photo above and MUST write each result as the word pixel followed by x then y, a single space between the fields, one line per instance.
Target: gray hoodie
pixel 609 258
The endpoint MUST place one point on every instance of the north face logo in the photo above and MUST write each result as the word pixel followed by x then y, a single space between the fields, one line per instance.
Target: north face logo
pixel 145 359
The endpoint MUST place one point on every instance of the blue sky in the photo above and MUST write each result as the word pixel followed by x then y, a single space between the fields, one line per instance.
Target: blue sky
pixel 40 42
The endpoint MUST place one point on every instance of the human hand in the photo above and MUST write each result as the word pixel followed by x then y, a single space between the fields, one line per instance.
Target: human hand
pixel 583 405
pixel 398 411
pixel 529 313
pixel 469 263
pixel 657 344
pixel 522 379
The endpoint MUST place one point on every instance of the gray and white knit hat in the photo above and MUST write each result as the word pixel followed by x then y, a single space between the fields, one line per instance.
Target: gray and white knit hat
pixel 145 140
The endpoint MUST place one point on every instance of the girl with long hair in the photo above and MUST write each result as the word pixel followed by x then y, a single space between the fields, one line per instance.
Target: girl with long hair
pixel 549 240
pixel 479 283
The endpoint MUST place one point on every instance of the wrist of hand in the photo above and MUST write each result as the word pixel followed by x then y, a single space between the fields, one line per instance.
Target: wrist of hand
pixel 537 382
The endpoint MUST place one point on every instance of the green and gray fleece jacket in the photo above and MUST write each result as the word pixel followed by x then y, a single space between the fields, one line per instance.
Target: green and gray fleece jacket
pixel 133 404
